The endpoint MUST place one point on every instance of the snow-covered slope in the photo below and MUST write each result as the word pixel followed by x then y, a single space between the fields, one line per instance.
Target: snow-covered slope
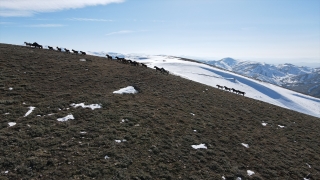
pixel 212 76
pixel 254 89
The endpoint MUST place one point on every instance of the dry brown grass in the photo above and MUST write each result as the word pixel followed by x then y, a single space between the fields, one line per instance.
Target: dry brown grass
pixel 159 129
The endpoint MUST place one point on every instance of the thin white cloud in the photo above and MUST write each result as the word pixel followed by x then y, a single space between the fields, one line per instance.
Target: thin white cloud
pixel 6 23
pixel 124 32
pixel 30 7
pixel 119 32
pixel 46 25
pixel 11 13
pixel 89 19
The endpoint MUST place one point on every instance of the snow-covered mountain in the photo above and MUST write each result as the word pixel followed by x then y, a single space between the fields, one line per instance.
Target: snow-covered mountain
pixel 298 78
pixel 211 76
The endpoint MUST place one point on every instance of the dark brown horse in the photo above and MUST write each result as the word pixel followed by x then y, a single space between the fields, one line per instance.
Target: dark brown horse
pixel 74 51
pixel 164 71
pixel 134 63
pixel 108 56
pixel 28 44
pixel 157 68
pixel 143 65
pixel 234 90
pixel 123 60
pixel 240 92
pixel 226 88
pixel 36 45
pixel 219 86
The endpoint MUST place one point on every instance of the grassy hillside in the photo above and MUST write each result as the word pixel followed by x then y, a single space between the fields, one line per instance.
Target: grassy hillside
pixel 159 125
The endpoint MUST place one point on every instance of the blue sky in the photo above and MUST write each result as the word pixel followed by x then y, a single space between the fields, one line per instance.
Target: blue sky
pixel 272 31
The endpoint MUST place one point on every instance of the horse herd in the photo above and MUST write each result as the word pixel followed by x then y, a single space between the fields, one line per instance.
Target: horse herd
pixel 126 61
pixel 229 89
pixel 135 63
pixel 162 70
pixel 36 45
pixel 121 60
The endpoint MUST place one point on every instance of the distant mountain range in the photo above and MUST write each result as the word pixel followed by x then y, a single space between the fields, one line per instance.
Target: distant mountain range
pixel 298 78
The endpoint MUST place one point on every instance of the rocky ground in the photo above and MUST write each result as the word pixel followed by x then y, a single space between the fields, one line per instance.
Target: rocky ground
pixel 148 135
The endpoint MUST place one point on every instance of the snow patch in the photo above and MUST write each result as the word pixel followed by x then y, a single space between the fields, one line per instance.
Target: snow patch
pixel 264 124
pixel 280 126
pixel 83 132
pixel 124 120
pixel 66 118
pixel 12 123
pixel 127 90
pixel 250 173
pixel 245 145
pixel 106 157
pixel 200 146
pixel 10 88
pixel 308 165
pixel 30 111
pixel 91 106
pixel 119 141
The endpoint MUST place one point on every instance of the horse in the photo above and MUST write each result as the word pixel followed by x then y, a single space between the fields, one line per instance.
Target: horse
pixel 36 45
pixel 83 53
pixel 240 92
pixel 157 68
pixel 59 49
pixel 143 65
pixel 28 44
pixel 234 90
pixel 50 48
pixel 226 88
pixel 219 86
pixel 74 51
pixel 108 56
pixel 120 59
pixel 164 71
pixel 134 63
pixel 66 50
